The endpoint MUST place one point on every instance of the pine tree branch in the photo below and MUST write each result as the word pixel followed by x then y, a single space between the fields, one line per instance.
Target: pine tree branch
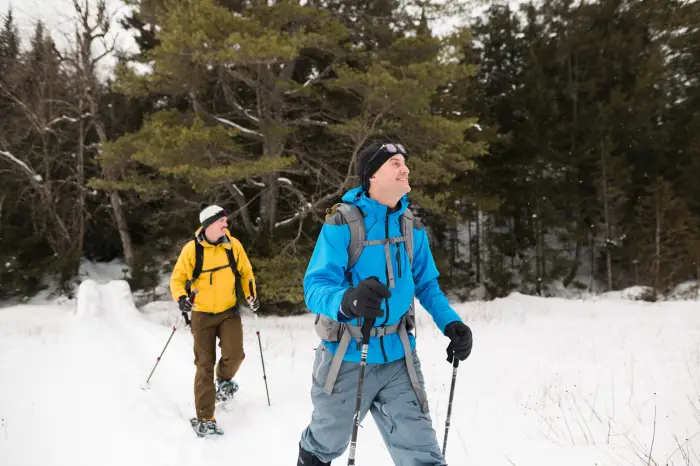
pixel 315 79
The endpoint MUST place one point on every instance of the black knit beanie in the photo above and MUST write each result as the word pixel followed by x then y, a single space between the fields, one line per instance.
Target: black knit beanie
pixel 373 157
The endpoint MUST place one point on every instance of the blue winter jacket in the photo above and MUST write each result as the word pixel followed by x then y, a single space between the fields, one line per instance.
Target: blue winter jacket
pixel 326 280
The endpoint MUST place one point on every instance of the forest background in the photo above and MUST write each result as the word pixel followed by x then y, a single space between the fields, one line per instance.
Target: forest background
pixel 553 145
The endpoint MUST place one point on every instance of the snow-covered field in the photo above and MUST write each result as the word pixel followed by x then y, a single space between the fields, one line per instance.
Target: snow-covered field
pixel 603 381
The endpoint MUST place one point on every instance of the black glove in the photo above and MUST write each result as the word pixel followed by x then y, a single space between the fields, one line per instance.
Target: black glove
pixel 254 303
pixel 184 303
pixel 461 340
pixel 365 300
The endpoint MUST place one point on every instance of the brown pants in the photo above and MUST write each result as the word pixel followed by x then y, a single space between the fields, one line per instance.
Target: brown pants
pixel 205 329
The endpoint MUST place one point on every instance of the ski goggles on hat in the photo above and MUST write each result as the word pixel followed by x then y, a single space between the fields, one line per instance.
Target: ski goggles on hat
pixel 390 148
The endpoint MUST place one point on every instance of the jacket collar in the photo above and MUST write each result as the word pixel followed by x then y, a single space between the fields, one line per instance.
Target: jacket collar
pixel 199 235
pixel 370 207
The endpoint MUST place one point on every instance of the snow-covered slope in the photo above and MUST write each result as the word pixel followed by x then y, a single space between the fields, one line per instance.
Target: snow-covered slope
pixel 550 382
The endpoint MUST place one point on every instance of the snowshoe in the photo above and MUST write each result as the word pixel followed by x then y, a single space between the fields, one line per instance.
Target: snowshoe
pixel 225 390
pixel 203 427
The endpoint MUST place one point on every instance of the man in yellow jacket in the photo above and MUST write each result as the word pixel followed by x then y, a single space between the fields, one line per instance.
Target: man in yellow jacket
pixel 204 284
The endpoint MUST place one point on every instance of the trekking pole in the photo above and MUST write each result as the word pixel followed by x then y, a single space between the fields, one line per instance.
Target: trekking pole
pixel 257 332
pixel 455 365
pixel 366 330
pixel 187 322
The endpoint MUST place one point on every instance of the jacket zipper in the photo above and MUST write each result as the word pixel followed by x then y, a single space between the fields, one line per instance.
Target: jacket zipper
pixel 386 228
pixel 386 319
pixel 398 257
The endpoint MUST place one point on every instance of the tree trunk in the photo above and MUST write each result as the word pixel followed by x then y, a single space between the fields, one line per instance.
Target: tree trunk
pixel 591 236
pixel 657 239
pixel 274 137
pixel 114 197
pixel 268 204
pixel 606 214
pixel 120 218
pixel 574 267
pixel 539 252
pixel 454 246
pixel 477 237
pixel 81 183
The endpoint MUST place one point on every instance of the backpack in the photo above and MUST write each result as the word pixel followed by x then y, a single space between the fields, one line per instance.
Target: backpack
pixel 199 263
pixel 332 330
pixel 354 217
pixel 351 214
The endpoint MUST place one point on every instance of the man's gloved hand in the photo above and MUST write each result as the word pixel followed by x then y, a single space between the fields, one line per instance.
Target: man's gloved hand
pixel 460 340
pixel 365 300
pixel 184 304
pixel 254 303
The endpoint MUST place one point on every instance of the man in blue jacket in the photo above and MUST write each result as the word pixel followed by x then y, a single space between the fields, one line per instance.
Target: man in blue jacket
pixel 376 276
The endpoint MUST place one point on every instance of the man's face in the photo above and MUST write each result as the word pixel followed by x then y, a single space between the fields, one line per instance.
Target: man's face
pixel 217 229
pixel 392 177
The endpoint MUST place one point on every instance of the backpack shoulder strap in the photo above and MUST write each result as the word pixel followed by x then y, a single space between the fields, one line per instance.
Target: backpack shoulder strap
pixel 232 263
pixel 355 219
pixel 407 223
pixel 198 259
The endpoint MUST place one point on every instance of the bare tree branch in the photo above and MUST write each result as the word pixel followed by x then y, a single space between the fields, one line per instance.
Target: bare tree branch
pixel 308 122
pixel 231 100
pixel 305 208
pixel 202 112
pixel 243 210
pixel 360 143
pixel 237 126
pixel 242 77
pixel 2 204
pixel 31 116
pixel 25 168
pixel 66 118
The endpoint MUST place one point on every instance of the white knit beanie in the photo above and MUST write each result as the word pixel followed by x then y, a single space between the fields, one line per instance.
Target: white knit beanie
pixel 210 215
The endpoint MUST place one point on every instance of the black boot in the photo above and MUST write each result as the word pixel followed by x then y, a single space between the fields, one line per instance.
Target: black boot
pixel 307 459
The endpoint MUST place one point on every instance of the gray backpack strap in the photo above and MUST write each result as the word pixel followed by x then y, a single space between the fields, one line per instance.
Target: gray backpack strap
pixel 407 224
pixel 407 232
pixel 353 332
pixel 337 361
pixel 356 222
pixel 411 368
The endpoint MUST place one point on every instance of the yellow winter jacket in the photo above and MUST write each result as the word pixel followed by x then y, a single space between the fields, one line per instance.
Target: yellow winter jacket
pixel 216 291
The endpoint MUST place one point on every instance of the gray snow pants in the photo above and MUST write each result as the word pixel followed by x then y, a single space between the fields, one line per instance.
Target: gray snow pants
pixel 407 432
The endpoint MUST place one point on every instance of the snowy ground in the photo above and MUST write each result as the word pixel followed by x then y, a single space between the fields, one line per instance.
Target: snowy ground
pixel 551 382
